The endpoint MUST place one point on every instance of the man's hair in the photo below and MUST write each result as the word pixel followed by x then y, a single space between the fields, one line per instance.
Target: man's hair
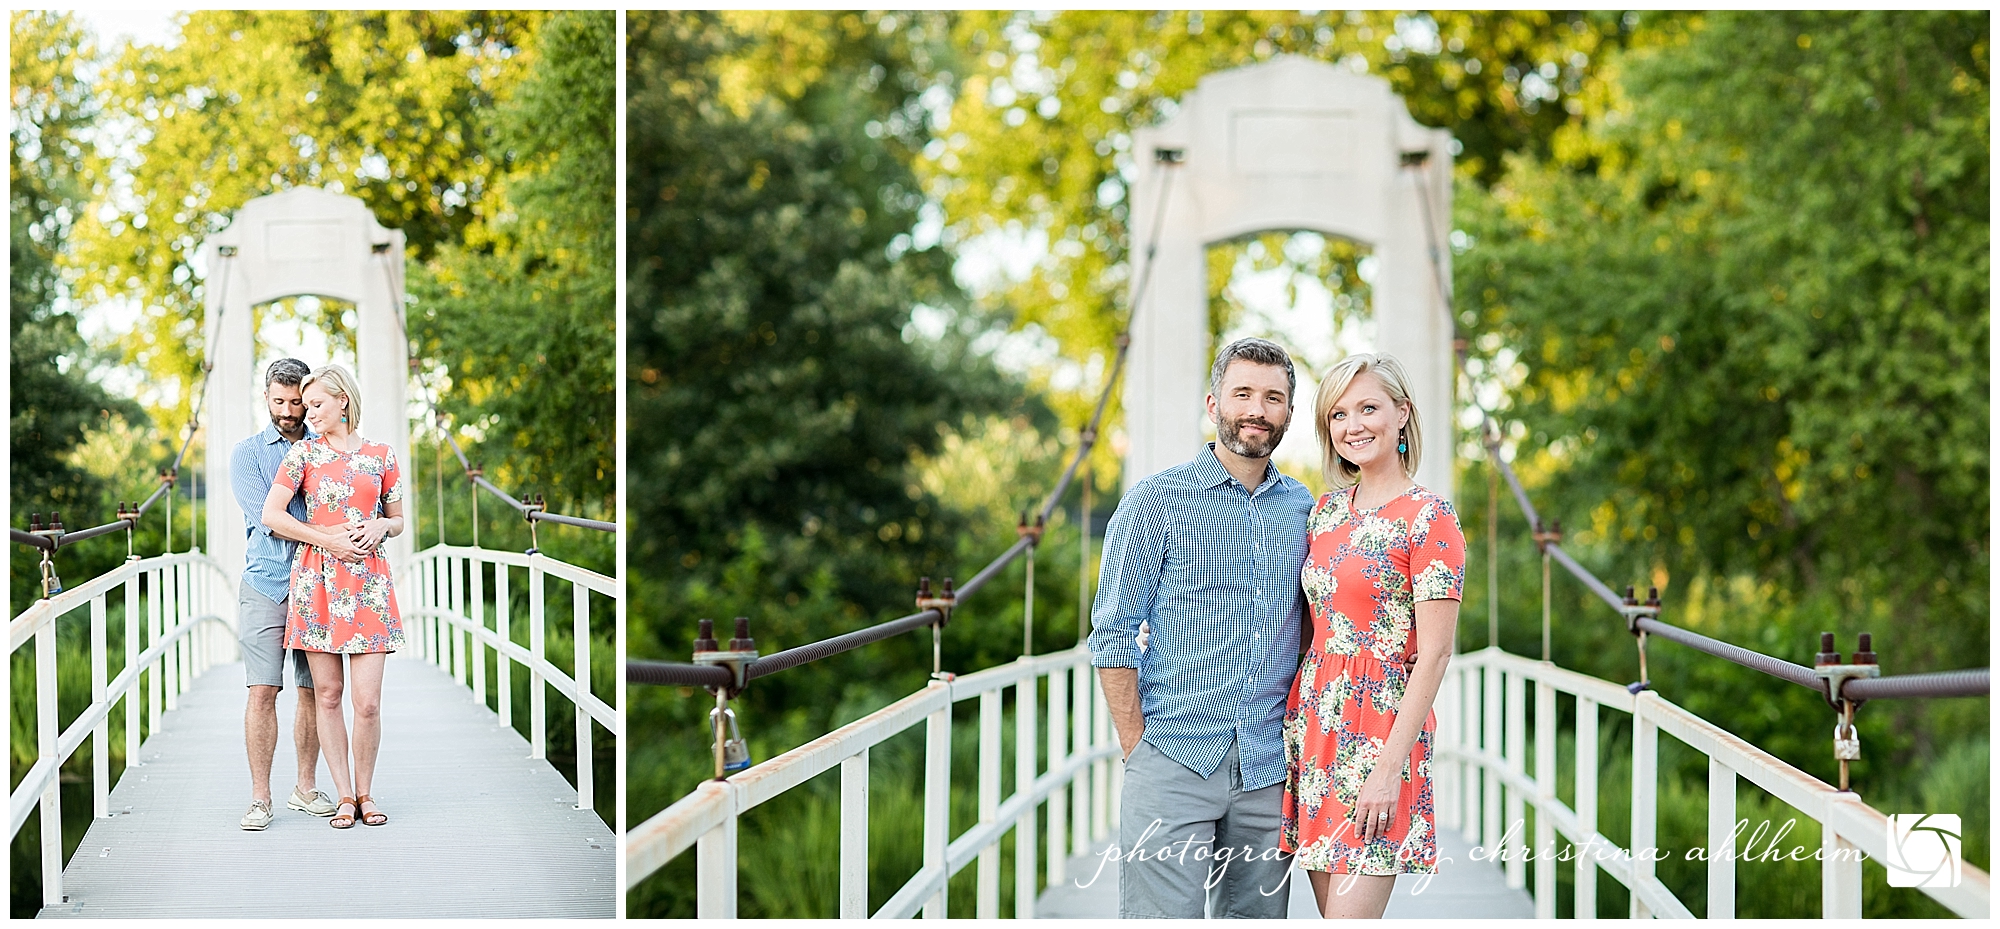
pixel 1255 351
pixel 286 371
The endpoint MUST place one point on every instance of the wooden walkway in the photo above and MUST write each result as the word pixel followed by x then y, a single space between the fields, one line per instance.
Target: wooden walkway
pixel 475 827
pixel 1462 889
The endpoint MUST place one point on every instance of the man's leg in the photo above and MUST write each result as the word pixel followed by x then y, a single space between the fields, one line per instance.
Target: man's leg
pixel 1253 886
pixel 1166 835
pixel 305 725
pixel 260 632
pixel 260 738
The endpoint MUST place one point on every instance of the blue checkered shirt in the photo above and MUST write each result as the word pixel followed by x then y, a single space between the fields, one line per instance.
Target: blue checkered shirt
pixel 267 559
pixel 1212 567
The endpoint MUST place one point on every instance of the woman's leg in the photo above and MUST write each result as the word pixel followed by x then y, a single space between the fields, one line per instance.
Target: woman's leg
pixel 329 683
pixel 1352 896
pixel 367 699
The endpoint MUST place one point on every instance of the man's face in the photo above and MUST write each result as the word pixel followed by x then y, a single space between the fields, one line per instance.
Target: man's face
pixel 286 409
pixel 1253 409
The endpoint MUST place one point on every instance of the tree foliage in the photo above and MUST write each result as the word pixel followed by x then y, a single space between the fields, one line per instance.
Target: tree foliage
pixel 1749 300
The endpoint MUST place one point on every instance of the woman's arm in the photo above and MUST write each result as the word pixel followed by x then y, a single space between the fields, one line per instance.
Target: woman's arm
pixel 1437 629
pixel 285 526
pixel 369 533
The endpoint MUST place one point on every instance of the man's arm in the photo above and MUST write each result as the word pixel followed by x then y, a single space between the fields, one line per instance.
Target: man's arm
pixel 251 485
pixel 1134 550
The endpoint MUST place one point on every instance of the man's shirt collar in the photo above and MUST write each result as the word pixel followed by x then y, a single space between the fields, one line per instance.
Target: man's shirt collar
pixel 272 436
pixel 1209 468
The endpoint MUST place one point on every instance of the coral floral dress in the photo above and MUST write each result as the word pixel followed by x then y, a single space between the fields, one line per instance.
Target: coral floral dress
pixel 343 607
pixel 1363 575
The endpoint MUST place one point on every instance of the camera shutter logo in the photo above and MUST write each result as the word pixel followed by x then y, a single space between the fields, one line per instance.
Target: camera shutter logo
pixel 1924 850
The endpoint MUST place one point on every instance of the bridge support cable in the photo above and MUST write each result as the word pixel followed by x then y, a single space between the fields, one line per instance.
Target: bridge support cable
pixel 639 671
pixel 1844 686
pixel 534 508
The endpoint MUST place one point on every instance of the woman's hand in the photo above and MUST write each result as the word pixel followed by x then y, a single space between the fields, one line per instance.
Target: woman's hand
pixel 1375 807
pixel 366 534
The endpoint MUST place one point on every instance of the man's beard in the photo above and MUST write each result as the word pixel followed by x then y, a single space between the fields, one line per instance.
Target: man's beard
pixel 1232 437
pixel 297 424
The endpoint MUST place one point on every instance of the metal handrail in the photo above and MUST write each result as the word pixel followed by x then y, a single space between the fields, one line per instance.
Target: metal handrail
pixel 706 817
pixel 446 585
pixel 187 638
pixel 1483 737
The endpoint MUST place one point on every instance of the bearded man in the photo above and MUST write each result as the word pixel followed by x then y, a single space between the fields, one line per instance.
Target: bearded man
pixel 1207 555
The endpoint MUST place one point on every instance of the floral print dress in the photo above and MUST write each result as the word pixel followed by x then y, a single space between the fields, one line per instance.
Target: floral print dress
pixel 1363 575
pixel 343 607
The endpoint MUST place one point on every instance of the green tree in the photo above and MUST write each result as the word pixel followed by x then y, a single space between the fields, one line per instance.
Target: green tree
pixel 521 310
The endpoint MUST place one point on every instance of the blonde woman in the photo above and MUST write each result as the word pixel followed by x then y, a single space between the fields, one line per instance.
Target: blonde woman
pixel 1384 572
pixel 353 490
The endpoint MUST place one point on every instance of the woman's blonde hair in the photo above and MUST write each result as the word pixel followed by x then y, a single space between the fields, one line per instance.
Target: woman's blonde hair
pixel 1338 471
pixel 335 380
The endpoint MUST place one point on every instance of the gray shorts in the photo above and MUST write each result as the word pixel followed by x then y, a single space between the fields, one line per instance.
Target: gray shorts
pixel 260 624
pixel 1174 821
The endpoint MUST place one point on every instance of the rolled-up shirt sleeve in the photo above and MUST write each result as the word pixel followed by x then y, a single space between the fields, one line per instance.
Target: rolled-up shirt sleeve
pixel 250 485
pixel 1135 545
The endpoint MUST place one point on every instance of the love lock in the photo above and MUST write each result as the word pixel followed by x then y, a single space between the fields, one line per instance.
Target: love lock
pixel 1846 742
pixel 735 751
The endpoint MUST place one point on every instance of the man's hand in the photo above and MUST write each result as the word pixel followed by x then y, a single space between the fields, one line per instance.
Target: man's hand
pixel 1131 742
pixel 366 534
pixel 340 545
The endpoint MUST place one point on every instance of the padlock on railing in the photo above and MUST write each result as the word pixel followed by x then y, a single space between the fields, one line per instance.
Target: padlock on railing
pixel 735 751
pixel 1846 742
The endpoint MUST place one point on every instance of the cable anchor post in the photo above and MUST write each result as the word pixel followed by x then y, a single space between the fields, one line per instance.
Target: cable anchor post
pixel 530 505
pixel 1829 667
pixel 1033 533
pixel 1544 538
pixel 732 751
pixel 943 603
pixel 472 475
pixel 129 512
pixel 1634 612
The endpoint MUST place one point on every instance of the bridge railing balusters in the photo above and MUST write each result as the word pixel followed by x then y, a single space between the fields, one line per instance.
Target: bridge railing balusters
pixel 538 719
pixel 1586 804
pixel 987 905
pixel 502 666
pixel 854 836
pixel 580 611
pixel 1721 840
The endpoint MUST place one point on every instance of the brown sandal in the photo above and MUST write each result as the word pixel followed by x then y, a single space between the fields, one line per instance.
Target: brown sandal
pixel 341 820
pixel 377 818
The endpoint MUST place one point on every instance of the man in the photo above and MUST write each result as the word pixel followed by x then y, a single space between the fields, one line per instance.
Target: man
pixel 260 604
pixel 1207 554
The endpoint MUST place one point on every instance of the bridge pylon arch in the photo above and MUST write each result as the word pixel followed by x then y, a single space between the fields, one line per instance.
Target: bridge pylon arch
pixel 301 241
pixel 1289 144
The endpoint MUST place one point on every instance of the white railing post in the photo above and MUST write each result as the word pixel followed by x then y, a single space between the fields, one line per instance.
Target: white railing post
pixel 1517 757
pixel 185 646
pixel 1059 798
pixel 1586 806
pixel 100 734
pixel 478 616
pixel 1080 784
pixel 1444 771
pixel 1545 795
pixel 503 665
pixel 131 662
pixel 1489 743
pixel 715 872
pixel 937 803
pixel 1645 797
pixel 1026 844
pixel 155 579
pixel 854 837
pixel 1721 841
pixel 537 703
pixel 580 598
pixel 456 591
pixel 987 900
pixel 172 574
pixel 46 733
pixel 1840 872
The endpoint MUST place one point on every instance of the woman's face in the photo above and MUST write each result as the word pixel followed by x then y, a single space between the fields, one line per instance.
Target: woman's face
pixel 1363 423
pixel 323 409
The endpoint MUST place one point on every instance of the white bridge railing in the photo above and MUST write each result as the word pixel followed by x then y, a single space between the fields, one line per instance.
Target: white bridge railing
pixel 448 622
pixel 1484 788
pixel 174 606
pixel 1080 786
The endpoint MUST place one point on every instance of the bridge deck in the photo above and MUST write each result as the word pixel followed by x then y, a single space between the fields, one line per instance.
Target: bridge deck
pixel 1463 888
pixel 476 828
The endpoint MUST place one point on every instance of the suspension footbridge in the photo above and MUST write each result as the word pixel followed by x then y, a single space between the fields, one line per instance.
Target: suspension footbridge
pixel 1522 772
pixel 493 690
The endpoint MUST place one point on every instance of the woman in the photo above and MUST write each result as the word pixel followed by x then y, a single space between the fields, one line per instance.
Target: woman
pixel 354 491
pixel 1384 570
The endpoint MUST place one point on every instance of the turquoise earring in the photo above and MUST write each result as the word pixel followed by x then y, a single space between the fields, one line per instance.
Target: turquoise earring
pixel 1402 444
